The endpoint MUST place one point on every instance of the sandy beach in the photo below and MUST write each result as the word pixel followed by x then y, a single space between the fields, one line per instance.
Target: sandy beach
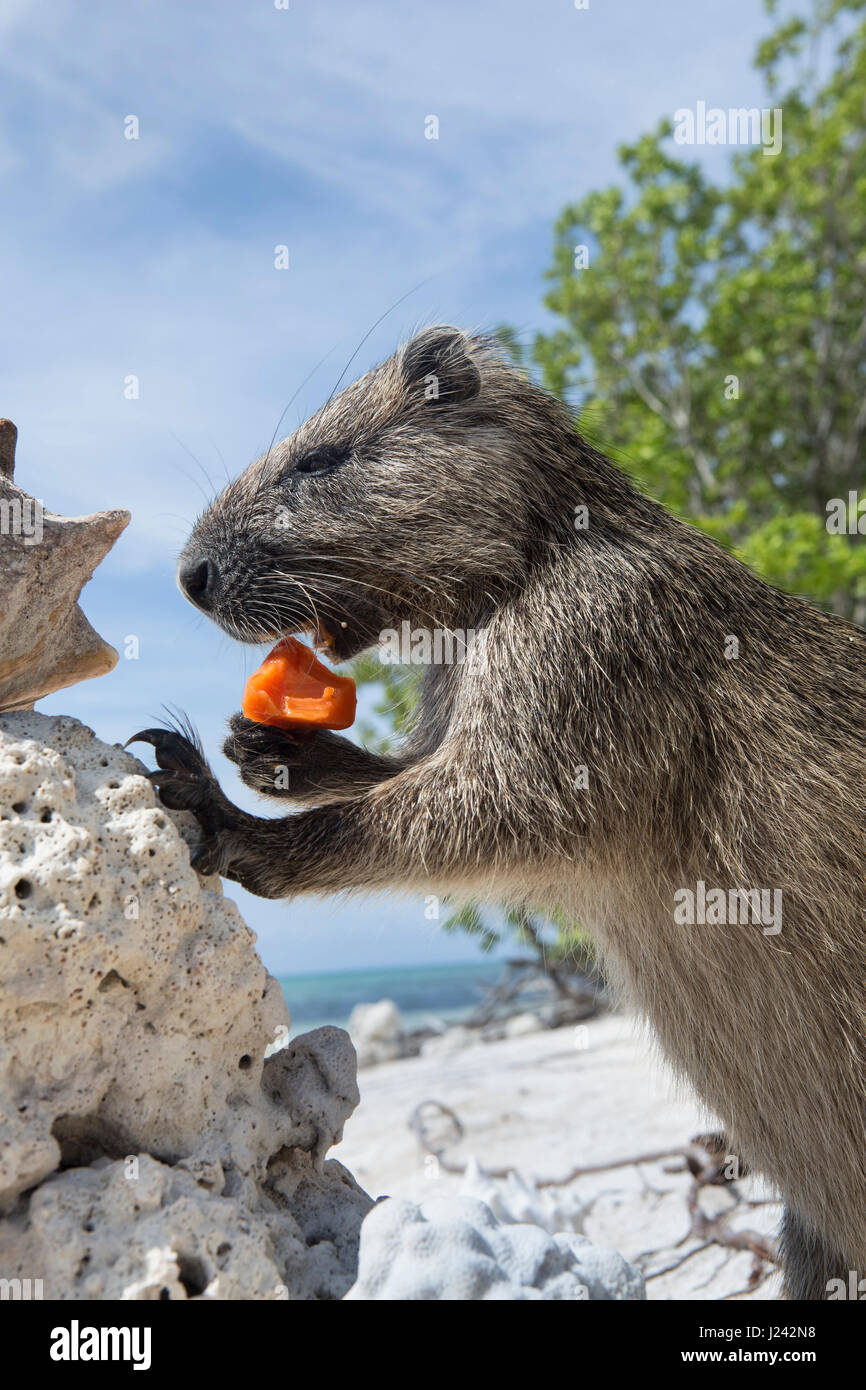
pixel 545 1103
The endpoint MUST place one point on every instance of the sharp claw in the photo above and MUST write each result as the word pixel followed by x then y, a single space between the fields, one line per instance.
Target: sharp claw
pixel 145 736
pixel 173 752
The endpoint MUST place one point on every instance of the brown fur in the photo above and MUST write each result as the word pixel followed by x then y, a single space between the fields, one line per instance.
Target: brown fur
pixel 605 648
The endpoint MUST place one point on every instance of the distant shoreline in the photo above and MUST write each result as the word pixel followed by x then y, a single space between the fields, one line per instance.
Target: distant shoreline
pixel 448 992
pixel 482 961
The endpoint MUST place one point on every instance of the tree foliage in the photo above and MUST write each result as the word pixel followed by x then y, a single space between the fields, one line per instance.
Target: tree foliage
pixel 715 344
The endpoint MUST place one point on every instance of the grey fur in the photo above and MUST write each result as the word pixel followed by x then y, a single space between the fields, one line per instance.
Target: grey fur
pixel 607 648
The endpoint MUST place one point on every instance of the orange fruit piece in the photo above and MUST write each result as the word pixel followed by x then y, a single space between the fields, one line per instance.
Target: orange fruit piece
pixel 293 690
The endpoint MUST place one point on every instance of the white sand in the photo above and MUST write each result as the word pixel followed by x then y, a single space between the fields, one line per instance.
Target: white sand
pixel 544 1104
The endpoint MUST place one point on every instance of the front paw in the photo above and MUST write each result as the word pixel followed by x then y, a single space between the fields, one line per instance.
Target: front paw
pixel 275 762
pixel 184 782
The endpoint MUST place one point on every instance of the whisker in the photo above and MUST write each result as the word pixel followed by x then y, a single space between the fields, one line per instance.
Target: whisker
pixel 288 407
pixel 379 320
pixel 435 618
pixel 199 464
pixel 219 455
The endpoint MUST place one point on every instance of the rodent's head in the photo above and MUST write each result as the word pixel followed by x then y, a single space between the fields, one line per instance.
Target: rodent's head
pixel 404 497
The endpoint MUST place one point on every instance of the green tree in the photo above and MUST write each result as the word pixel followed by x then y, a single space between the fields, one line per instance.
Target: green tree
pixel 715 343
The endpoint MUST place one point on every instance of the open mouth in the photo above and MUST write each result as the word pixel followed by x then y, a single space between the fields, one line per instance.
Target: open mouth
pixel 338 636
pixel 321 638
pixel 338 639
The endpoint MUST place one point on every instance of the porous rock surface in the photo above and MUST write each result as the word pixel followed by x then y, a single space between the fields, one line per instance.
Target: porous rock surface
pixel 455 1248
pixel 147 1148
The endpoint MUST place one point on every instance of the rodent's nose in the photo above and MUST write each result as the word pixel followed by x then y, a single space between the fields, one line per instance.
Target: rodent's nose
pixel 198 579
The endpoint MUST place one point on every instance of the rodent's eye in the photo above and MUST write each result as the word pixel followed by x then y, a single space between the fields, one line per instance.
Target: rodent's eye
pixel 323 460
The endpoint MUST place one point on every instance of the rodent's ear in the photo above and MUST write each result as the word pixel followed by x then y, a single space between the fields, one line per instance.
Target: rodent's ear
pixel 437 363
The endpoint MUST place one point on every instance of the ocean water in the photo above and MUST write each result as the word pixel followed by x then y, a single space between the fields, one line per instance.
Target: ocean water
pixel 422 993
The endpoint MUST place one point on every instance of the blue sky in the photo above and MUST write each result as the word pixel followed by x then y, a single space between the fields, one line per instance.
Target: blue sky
pixel 155 257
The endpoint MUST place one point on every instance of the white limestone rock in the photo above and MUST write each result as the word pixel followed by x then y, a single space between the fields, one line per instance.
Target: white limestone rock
pixel 377 1032
pixel 141 1229
pixel 134 1018
pixel 455 1248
